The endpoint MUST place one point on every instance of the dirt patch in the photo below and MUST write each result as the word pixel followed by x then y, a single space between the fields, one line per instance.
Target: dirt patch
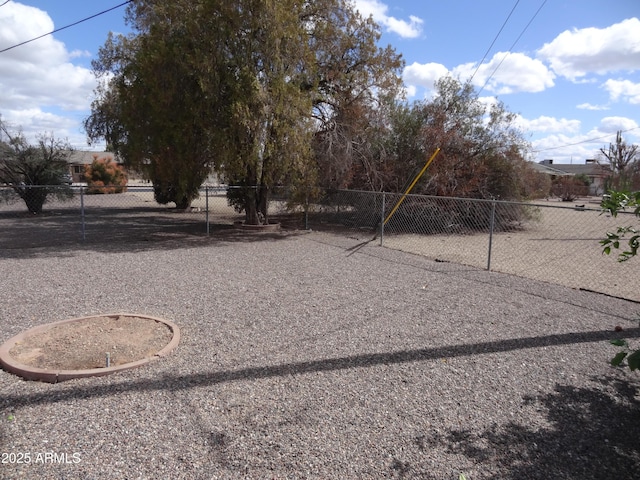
pixel 561 247
pixel 84 345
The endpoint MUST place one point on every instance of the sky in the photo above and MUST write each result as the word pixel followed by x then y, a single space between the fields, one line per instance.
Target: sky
pixel 569 69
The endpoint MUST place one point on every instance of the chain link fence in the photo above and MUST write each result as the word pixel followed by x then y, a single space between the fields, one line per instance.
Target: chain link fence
pixel 547 240
pixel 77 216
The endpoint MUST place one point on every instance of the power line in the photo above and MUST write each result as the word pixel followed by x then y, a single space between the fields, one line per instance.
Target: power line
pixel 583 141
pixel 63 28
pixel 512 46
pixel 4 3
pixel 504 58
pixel 494 41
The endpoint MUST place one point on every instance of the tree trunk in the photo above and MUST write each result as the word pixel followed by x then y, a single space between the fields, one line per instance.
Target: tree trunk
pixel 263 204
pixel 34 198
pixel 183 203
pixel 251 207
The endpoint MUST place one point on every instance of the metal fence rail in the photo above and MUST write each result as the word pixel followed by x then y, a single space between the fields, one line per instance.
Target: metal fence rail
pixel 549 240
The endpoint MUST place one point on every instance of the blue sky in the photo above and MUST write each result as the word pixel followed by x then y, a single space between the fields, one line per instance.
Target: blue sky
pixel 570 69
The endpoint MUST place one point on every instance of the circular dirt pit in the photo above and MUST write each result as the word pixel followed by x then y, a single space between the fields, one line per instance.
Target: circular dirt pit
pixel 88 346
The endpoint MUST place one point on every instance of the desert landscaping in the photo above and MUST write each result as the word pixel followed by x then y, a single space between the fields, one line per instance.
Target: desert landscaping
pixel 301 357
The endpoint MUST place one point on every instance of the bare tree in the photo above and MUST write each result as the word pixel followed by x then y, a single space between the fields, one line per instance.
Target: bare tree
pixel 34 172
pixel 624 160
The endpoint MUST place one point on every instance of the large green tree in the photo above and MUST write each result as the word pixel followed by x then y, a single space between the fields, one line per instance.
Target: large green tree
pixel 37 171
pixel 266 128
pixel 150 109
pixel 237 87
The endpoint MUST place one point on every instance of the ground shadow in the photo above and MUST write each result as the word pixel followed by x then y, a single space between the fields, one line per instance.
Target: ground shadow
pixel 592 433
pixel 182 382
pixel 62 232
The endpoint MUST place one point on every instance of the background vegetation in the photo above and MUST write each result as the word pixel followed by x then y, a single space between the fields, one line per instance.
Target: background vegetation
pixel 104 176
pixel 37 171
pixel 289 93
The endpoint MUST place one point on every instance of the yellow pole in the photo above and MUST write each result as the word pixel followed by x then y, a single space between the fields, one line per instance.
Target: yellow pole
pixel 415 180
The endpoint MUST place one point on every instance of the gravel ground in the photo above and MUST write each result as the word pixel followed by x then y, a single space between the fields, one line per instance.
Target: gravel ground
pixel 303 356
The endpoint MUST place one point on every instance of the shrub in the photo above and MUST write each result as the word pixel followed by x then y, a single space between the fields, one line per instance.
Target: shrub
pixel 35 172
pixel 570 187
pixel 105 176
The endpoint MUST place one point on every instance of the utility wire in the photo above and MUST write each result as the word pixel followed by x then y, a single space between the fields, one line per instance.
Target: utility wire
pixel 493 42
pixel 504 58
pixel 512 46
pixel 583 141
pixel 63 28
pixel 4 3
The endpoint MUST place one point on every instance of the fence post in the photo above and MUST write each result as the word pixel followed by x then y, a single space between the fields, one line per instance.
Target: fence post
pixel 84 235
pixel 206 206
pixel 382 219
pixel 491 227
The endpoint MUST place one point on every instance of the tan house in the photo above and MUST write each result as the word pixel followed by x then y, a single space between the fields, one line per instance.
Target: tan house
pixel 596 173
pixel 79 159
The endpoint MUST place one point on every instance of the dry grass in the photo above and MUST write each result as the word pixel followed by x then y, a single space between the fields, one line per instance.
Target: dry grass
pixel 560 247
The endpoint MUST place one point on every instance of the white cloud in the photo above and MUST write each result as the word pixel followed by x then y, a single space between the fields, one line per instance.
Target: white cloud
pixel 509 73
pixel 80 54
pixel 565 147
pixel 39 76
pixel 34 121
pixel 19 23
pixel 423 75
pixel 544 124
pixel 614 124
pixel 574 54
pixel 588 106
pixel 410 91
pixel 378 10
pixel 488 102
pixel 623 88
pixel 34 118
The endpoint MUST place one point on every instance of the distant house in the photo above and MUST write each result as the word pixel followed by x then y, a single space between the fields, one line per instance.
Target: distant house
pixel 546 168
pixel 79 159
pixel 596 172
